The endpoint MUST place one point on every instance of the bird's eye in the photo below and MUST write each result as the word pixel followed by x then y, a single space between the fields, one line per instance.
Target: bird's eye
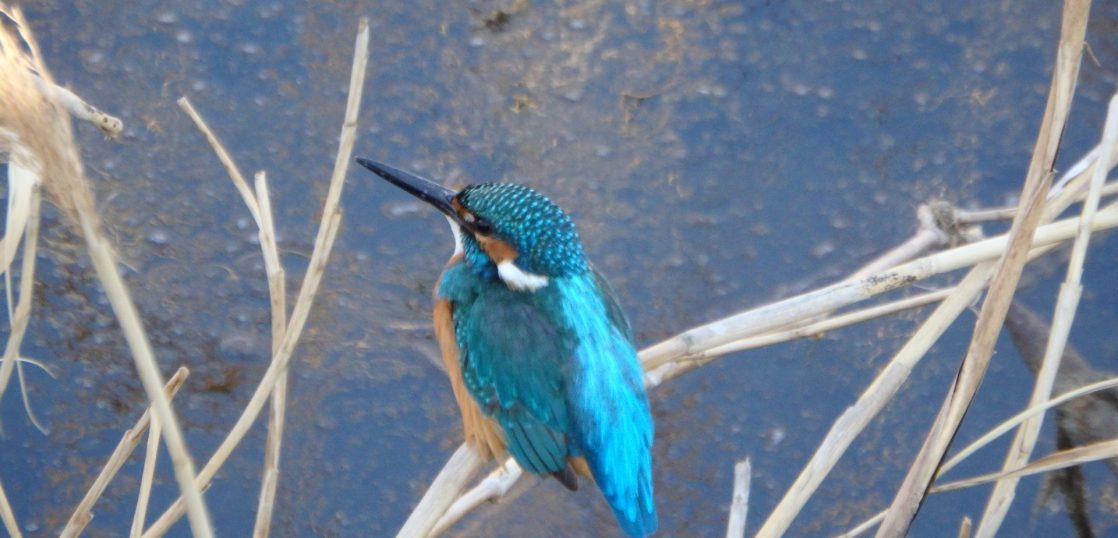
pixel 482 226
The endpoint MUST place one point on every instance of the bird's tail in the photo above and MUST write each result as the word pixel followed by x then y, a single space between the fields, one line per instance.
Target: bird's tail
pixel 616 440
pixel 625 479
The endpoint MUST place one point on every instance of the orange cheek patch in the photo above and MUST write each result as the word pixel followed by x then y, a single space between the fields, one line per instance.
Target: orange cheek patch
pixel 497 250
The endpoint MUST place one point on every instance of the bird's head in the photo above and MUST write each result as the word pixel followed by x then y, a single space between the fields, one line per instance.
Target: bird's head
pixel 505 230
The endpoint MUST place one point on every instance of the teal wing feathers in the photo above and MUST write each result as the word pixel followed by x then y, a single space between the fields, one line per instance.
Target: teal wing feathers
pixel 515 361
pixel 558 371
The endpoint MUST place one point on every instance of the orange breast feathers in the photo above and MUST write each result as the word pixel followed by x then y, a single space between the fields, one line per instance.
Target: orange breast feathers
pixel 480 430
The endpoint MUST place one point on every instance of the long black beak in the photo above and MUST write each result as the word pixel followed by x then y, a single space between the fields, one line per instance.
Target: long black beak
pixel 422 188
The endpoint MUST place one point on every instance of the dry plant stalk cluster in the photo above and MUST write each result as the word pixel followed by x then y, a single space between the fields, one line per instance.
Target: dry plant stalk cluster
pixel 37 142
pixel 36 139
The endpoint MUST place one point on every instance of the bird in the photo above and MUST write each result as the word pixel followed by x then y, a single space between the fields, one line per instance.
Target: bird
pixel 540 355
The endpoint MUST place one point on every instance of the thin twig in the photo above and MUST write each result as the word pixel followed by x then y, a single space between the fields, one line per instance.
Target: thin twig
pixel 927 236
pixel 22 315
pixel 146 479
pixel 965 527
pixel 8 516
pixel 278 295
pixel 131 439
pixel 1052 462
pixel 77 107
pixel 739 505
pixel 324 241
pixel 226 160
pixel 819 327
pixel 1016 420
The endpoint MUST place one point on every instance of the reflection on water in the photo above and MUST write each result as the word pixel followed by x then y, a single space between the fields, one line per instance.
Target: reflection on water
pixel 714 155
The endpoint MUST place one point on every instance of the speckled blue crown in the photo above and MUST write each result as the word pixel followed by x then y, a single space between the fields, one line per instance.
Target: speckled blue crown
pixel 541 232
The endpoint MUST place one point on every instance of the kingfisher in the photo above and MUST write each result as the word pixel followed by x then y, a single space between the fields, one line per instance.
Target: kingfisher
pixel 539 352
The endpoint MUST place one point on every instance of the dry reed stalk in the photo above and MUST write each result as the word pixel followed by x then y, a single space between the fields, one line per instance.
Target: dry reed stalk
pixel 992 314
pixel 324 241
pixel 104 263
pixel 965 527
pixel 131 439
pixel 1016 420
pixel 1055 461
pixel 495 486
pixel 79 109
pixel 739 504
pixel 444 489
pixel 856 418
pixel 278 294
pixel 928 235
pixel 1066 304
pixel 697 342
pixel 43 131
pixel 226 160
pixel 23 214
pixel 146 479
pixel 24 180
pixel 829 324
pixel 8 516
pixel 993 434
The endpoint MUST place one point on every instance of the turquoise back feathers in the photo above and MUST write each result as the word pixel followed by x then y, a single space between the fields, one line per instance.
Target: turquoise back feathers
pixel 560 375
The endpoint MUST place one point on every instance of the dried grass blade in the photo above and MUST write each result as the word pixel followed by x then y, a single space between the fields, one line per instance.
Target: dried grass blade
pixel 1066 304
pixel 146 479
pixel 23 204
pixel 278 295
pixel 8 516
pixel 1052 462
pixel 992 314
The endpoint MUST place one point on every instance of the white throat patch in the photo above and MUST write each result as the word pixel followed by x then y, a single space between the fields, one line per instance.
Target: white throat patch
pixel 457 236
pixel 518 280
pixel 513 277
